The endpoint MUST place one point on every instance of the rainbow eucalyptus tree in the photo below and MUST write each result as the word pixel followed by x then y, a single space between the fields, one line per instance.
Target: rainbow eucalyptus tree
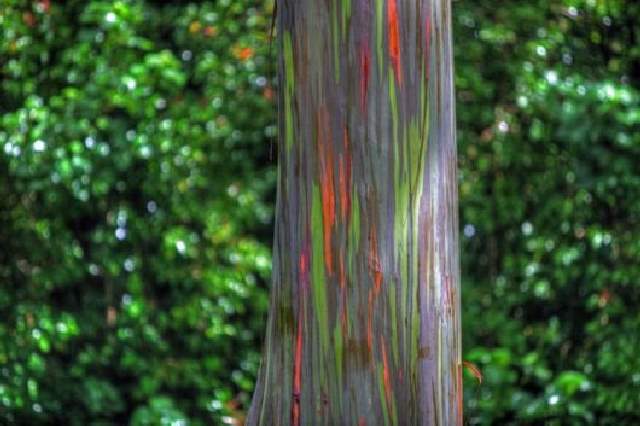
pixel 364 325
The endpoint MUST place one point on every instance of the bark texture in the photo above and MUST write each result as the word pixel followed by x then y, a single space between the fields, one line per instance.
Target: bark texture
pixel 364 326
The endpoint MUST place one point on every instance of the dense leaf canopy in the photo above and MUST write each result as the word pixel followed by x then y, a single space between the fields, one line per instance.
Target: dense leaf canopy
pixel 133 209
pixel 549 120
pixel 136 195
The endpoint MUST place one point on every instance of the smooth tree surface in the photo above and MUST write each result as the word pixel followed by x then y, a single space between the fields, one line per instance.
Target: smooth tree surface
pixel 364 324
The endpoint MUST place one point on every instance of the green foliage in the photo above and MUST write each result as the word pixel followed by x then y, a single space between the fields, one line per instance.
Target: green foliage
pixel 549 120
pixel 134 208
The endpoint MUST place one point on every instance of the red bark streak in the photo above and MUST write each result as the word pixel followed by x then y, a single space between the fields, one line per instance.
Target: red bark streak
pixel 297 358
pixel 325 149
pixel 304 268
pixel 394 38
pixel 304 263
pixel 362 422
pixel 328 217
pixel 365 61
pixel 386 379
pixel 295 415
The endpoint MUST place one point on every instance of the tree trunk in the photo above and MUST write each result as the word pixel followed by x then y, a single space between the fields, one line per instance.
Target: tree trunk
pixel 364 326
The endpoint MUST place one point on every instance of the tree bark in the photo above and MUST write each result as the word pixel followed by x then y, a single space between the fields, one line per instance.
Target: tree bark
pixel 364 325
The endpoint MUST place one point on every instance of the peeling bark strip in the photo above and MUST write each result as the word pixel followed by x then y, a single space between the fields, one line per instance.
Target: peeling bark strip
pixel 364 327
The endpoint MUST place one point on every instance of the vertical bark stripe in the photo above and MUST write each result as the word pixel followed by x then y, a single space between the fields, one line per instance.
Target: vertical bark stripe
pixel 325 154
pixel 297 381
pixel 394 38
pixel 365 64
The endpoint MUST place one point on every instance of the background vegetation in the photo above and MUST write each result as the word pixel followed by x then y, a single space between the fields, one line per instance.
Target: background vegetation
pixel 136 193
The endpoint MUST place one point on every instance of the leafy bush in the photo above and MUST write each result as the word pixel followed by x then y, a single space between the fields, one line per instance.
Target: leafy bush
pixel 549 120
pixel 134 207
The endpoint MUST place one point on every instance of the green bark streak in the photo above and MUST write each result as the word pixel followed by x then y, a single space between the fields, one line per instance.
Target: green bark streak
pixel 346 15
pixel 394 412
pixel 289 89
pixel 401 186
pixel 317 270
pixel 383 401
pixel 354 228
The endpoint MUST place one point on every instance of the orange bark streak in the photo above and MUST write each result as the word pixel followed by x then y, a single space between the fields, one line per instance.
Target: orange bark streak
pixel 304 263
pixel 394 38
pixel 328 215
pixel 327 186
